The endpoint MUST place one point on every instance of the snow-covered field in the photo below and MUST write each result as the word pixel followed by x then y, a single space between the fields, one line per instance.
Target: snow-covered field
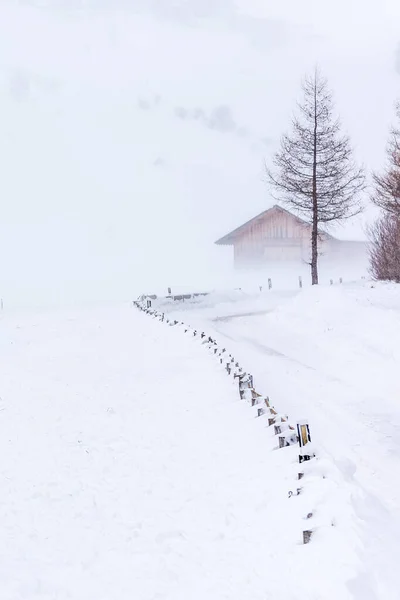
pixel 332 354
pixel 131 469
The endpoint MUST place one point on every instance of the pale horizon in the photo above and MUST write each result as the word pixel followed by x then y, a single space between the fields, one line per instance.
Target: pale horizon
pixel 135 134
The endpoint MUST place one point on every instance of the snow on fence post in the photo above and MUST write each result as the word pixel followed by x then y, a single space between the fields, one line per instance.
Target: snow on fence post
pixel 306 453
pixel 260 410
pixel 254 397
pixel 303 432
pixel 287 437
pixel 245 383
pixel 269 283
pixel 242 385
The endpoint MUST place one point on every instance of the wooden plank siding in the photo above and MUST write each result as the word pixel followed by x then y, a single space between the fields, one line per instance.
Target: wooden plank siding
pixel 276 235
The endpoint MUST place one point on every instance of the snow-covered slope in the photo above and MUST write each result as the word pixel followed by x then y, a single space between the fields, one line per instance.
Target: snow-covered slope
pixel 332 354
pixel 130 468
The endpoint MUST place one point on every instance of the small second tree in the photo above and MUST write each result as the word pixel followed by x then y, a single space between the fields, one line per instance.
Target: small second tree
pixel 314 171
pixel 384 247
pixel 386 192
pixel 384 234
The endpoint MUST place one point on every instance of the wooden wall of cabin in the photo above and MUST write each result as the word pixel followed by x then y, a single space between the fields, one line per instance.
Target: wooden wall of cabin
pixel 278 237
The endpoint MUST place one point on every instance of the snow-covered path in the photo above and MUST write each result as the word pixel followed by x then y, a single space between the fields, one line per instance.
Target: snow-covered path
pixel 130 469
pixel 332 354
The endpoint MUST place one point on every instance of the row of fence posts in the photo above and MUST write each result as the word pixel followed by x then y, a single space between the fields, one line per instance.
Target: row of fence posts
pixel 260 287
pixel 300 283
pixel 330 281
pixel 287 434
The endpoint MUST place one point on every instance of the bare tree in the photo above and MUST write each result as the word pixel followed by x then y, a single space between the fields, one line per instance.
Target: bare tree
pixel 314 172
pixel 386 192
pixel 384 247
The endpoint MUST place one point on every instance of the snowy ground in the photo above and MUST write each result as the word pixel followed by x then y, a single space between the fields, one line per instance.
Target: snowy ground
pixel 132 470
pixel 332 354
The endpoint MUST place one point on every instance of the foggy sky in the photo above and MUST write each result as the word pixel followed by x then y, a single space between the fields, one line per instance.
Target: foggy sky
pixel 134 133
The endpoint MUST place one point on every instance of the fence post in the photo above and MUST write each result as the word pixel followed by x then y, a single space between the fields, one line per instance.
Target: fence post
pixel 307 536
pixel 269 283
pixel 245 383
pixel 300 282
pixel 303 432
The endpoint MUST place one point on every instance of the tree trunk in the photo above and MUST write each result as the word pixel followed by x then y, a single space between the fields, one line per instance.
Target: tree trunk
pixel 314 233
pixel 314 250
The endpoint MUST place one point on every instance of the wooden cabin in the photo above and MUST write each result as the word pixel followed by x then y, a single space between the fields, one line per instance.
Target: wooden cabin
pixel 277 235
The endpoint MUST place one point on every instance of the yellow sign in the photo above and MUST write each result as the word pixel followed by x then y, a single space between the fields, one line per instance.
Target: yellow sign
pixel 303 434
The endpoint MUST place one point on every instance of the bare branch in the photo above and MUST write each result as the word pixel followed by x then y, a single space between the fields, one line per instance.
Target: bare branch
pixel 314 171
pixel 386 192
pixel 384 248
